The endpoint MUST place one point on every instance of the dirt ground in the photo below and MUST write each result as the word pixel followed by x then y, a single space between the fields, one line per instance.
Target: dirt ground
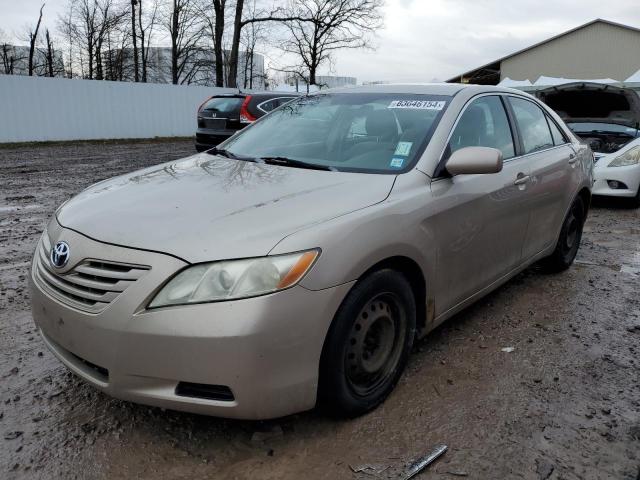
pixel 564 404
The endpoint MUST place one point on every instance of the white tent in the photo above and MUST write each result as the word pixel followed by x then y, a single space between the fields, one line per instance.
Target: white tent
pixel 551 81
pixel 633 78
pixel 507 82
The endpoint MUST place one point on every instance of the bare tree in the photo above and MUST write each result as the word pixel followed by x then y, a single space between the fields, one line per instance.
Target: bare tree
pixel 253 34
pixel 65 23
pixel 325 26
pixel 186 31
pixel 33 38
pixel 90 24
pixel 278 14
pixel 49 55
pixel 213 14
pixel 8 58
pixel 134 37
pixel 110 20
pixel 146 34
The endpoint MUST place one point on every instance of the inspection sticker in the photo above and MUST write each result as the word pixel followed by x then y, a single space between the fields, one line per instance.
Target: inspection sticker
pixel 396 162
pixel 418 104
pixel 403 148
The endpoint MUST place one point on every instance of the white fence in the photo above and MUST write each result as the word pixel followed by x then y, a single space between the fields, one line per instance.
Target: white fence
pixel 40 109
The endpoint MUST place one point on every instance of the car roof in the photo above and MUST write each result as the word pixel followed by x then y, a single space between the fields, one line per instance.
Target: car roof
pixel 257 94
pixel 449 89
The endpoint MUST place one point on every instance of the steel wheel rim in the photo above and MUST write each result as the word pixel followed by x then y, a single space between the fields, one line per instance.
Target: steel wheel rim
pixel 375 344
pixel 573 225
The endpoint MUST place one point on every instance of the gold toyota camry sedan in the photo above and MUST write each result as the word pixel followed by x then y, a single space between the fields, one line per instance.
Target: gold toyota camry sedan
pixel 295 264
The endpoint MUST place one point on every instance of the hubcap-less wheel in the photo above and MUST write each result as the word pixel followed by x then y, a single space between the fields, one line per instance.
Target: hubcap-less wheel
pixel 572 230
pixel 375 344
pixel 573 223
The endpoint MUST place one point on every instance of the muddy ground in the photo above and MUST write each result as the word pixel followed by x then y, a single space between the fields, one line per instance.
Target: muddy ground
pixel 564 404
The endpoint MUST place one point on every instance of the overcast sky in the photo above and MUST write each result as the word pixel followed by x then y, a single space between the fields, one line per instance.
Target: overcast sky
pixel 425 40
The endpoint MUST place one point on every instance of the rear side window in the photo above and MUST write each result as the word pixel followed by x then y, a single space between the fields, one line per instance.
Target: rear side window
pixel 483 124
pixel 224 104
pixel 558 136
pixel 269 105
pixel 532 124
pixel 273 103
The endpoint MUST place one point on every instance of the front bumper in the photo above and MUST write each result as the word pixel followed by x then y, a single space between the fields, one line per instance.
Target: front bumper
pixel 629 175
pixel 266 350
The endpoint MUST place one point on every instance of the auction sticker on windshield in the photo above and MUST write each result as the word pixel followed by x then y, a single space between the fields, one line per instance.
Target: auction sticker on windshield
pixel 418 104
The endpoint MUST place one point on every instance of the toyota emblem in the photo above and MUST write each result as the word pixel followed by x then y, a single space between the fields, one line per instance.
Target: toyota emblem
pixel 60 255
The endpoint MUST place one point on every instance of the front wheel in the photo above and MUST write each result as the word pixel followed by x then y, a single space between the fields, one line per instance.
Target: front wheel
pixel 368 344
pixel 569 240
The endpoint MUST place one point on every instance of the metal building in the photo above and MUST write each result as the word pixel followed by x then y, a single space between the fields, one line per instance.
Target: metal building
pixel 597 49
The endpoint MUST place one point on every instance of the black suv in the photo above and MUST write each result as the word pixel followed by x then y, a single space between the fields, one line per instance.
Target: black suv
pixel 221 116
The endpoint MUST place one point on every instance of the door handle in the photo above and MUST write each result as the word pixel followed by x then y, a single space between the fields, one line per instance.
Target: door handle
pixel 572 158
pixel 521 180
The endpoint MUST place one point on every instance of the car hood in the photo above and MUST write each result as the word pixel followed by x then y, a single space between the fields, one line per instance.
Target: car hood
pixel 206 208
pixel 590 102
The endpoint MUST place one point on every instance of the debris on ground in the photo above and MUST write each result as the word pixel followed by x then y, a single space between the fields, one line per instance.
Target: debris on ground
pixel 423 462
pixel 369 469
pixel 507 349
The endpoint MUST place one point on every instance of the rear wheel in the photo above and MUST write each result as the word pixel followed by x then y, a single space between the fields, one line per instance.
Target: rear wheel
pixel 569 240
pixel 368 344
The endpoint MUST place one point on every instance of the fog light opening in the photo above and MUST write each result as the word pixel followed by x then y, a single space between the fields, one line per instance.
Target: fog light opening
pixel 204 391
pixel 616 185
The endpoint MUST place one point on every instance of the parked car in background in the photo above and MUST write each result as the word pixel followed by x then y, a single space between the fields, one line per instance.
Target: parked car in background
pixel 618 174
pixel 607 118
pixel 296 263
pixel 220 116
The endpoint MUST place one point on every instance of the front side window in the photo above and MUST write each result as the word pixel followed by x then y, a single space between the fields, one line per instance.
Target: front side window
pixel 361 132
pixel 483 124
pixel 532 124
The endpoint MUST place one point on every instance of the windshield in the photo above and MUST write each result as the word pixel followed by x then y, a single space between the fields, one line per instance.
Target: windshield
pixel 588 127
pixel 358 132
pixel 223 104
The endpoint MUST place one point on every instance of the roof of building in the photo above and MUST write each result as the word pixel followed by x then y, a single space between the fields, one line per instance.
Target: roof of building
pixel 548 40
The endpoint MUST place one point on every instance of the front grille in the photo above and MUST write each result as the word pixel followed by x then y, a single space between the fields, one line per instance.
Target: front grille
pixel 91 285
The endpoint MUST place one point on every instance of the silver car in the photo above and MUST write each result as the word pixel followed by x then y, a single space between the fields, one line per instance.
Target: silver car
pixel 296 264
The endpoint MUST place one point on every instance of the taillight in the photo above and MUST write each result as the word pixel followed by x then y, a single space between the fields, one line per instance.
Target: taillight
pixel 245 116
pixel 203 103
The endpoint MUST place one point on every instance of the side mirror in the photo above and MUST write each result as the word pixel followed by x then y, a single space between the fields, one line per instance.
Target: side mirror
pixel 470 160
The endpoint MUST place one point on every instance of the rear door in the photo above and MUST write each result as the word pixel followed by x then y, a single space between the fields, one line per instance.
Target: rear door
pixel 550 159
pixel 481 220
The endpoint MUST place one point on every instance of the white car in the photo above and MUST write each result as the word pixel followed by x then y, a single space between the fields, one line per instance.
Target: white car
pixel 607 118
pixel 618 174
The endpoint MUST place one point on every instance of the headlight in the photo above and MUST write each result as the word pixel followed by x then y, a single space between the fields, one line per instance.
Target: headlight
pixel 233 279
pixel 630 157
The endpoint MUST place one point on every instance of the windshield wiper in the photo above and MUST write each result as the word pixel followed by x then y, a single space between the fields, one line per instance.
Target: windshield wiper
pixel 290 162
pixel 226 153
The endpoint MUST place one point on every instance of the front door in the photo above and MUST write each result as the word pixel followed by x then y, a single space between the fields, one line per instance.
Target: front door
pixel 481 220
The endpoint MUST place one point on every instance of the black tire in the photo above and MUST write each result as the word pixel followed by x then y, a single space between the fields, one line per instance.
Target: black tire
pixel 569 240
pixel 368 344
